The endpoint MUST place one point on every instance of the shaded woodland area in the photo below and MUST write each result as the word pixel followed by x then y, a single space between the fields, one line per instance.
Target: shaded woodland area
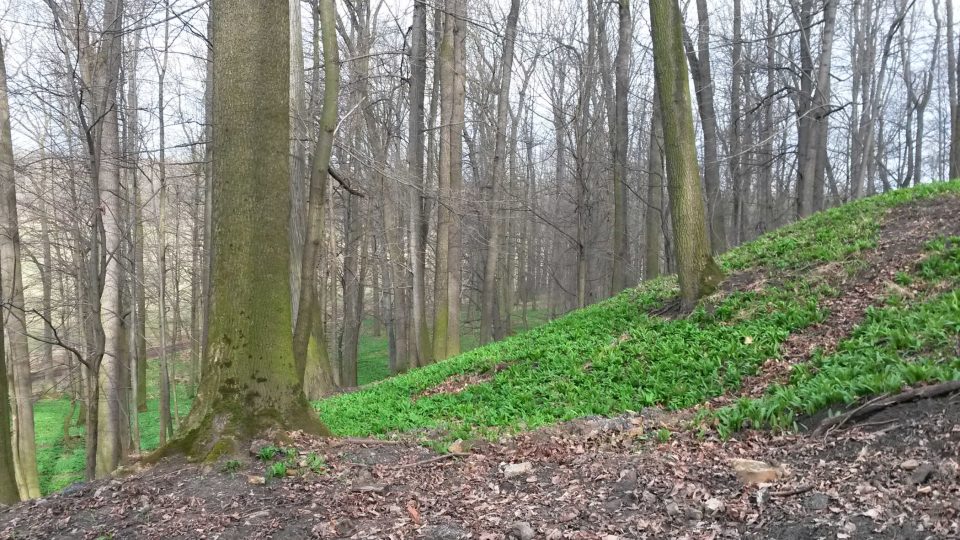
pixel 449 168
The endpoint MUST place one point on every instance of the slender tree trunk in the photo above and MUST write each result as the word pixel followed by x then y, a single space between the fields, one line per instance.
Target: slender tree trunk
pixel 703 83
pixel 318 185
pixel 497 172
pixel 14 320
pixel 655 185
pixel 953 81
pixel 620 144
pixel 419 338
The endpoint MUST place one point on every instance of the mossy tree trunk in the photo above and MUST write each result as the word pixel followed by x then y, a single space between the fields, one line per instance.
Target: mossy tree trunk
pixel 251 383
pixel 697 271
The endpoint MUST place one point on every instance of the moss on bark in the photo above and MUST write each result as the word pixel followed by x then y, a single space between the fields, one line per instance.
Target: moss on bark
pixel 250 384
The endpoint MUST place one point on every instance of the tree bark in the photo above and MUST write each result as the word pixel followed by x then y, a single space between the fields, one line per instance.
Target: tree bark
pixel 497 173
pixel 698 274
pixel 318 185
pixel 619 146
pixel 702 75
pixel 419 338
pixel 251 382
pixel 14 316
pixel 655 184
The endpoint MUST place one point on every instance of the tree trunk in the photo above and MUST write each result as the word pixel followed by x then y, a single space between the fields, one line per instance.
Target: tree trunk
pixel 497 172
pixel 953 81
pixel 704 85
pixel 251 382
pixel 619 146
pixel 318 186
pixel 655 183
pixel 698 274
pixel 420 337
pixel 14 315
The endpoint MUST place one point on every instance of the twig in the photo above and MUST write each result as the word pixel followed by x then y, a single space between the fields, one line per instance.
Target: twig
pixel 431 460
pixel 791 492
pixel 364 440
pixel 343 182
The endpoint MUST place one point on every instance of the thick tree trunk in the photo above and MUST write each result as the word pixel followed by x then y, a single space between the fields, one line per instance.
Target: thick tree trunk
pixel 251 382
pixel 698 274
pixel 110 373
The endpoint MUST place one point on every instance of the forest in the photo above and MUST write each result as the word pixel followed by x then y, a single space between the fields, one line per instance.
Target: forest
pixel 267 239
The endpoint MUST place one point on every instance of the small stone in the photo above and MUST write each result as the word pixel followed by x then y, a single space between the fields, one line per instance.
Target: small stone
pixel 922 473
pixel 909 464
pixel 694 514
pixel 628 480
pixel 756 472
pixel 817 501
pixel 444 532
pixel 673 509
pixel 255 480
pixel 714 505
pixel 648 497
pixel 849 527
pixel 523 531
pixel 517 469
pixel 257 445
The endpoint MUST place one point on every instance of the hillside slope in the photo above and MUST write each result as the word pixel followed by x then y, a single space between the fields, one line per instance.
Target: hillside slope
pixel 642 415
pixel 887 265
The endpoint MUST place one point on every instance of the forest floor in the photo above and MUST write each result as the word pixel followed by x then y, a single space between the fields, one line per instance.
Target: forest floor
pixel 894 475
pixel 604 425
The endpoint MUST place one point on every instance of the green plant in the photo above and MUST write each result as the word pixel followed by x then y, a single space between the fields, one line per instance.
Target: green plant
pixel 316 463
pixel 277 469
pixel 268 452
pixel 231 466
pixel 663 435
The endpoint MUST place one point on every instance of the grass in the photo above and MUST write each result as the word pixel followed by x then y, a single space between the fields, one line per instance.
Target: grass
pixel 612 357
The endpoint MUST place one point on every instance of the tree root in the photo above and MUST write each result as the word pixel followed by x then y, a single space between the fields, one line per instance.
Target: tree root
pixel 882 402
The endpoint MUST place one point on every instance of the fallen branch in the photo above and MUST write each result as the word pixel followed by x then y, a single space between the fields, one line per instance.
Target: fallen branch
pixel 791 492
pixel 365 440
pixel 442 457
pixel 882 402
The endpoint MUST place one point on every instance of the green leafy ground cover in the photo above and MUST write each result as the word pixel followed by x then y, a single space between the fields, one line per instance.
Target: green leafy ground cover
pixel 61 462
pixel 613 357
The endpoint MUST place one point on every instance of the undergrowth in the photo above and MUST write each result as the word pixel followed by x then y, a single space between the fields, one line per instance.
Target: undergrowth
pixel 902 343
pixel 613 357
